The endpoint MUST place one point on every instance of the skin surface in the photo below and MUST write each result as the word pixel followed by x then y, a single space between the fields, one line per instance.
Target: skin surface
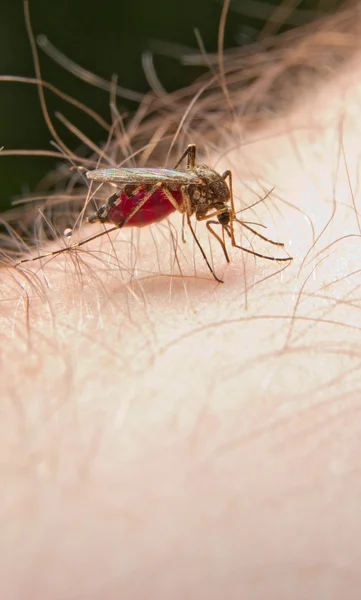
pixel 166 437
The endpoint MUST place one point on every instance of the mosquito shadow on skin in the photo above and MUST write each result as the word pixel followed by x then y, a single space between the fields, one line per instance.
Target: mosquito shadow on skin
pixel 163 286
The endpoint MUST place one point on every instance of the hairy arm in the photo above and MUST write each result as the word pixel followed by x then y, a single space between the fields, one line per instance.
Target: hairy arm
pixel 164 436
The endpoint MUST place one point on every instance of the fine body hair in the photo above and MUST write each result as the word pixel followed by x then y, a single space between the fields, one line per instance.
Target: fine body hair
pixel 164 435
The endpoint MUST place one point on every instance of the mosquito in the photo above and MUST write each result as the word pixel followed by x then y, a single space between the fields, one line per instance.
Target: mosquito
pixel 148 196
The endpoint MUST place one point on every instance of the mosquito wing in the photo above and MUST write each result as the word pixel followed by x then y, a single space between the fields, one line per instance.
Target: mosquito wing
pixel 144 176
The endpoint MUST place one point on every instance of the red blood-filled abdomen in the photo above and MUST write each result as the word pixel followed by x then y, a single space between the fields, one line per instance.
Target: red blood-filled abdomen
pixel 155 209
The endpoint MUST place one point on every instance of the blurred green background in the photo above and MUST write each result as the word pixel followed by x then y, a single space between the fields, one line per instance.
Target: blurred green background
pixel 106 37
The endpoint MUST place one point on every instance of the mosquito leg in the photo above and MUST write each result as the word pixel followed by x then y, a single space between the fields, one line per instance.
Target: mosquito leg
pixel 103 218
pixel 233 241
pixel 188 212
pixel 178 207
pixel 172 200
pixel 201 249
pixel 191 156
pixel 67 248
pixel 190 153
pixel 204 217
pixel 139 206
pixel 228 175
pixel 218 238
pixel 93 237
pixel 183 229
pixel 262 255
pixel 259 234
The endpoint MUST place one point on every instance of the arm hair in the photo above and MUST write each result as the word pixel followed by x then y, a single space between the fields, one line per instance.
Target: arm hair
pixel 164 436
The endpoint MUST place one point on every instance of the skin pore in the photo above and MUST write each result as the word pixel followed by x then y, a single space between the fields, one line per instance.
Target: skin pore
pixel 164 436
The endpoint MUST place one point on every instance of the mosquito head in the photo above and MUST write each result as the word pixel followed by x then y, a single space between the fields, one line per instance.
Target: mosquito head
pixel 224 217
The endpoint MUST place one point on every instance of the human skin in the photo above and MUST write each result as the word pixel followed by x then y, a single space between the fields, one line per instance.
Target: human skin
pixel 164 436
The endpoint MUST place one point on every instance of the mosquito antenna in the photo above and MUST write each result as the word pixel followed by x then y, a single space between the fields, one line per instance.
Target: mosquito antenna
pixel 262 237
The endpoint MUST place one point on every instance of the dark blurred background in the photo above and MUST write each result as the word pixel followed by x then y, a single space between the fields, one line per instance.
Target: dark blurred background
pixel 108 37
